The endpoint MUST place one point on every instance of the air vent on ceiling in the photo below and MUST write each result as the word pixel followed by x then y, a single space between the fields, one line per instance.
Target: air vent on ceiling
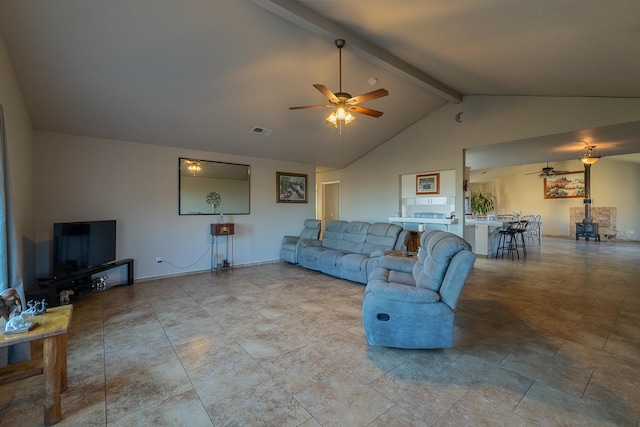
pixel 261 131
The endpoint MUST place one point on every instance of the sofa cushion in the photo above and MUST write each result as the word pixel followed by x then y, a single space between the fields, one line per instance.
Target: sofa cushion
pixel 330 257
pixel 401 293
pixel 354 262
pixel 436 251
pixel 381 236
pixel 354 234
pixel 333 234
pixel 401 278
pixel 311 229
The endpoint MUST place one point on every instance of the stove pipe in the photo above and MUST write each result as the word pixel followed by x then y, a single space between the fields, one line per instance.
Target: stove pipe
pixel 587 195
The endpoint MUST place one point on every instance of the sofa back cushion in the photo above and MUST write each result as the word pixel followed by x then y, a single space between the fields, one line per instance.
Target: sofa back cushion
pixel 437 248
pixel 345 236
pixel 354 236
pixel 311 229
pixel 333 234
pixel 381 236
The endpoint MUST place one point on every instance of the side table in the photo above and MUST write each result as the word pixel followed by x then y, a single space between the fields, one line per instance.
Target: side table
pixel 226 230
pixel 52 328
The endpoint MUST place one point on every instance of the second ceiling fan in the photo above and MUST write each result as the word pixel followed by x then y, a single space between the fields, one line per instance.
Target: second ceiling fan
pixel 547 172
pixel 343 101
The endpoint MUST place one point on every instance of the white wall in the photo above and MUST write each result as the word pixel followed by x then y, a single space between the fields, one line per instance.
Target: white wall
pixel 443 202
pixel 81 179
pixel 370 186
pixel 19 132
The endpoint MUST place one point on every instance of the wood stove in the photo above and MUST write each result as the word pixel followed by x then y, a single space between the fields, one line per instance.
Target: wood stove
pixel 586 230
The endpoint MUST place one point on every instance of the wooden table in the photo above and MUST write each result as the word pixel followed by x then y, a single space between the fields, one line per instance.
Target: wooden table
pixel 52 328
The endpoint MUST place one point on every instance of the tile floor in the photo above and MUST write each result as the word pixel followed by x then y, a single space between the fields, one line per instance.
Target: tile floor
pixel 549 340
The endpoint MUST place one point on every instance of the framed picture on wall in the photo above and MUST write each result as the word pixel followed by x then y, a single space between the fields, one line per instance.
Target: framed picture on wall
pixel 291 187
pixel 428 183
pixel 564 186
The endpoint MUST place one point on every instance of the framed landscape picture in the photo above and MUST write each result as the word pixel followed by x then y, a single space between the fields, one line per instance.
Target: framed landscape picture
pixel 564 186
pixel 428 183
pixel 291 187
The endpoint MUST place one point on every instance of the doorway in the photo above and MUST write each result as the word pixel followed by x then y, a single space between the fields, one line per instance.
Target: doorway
pixel 330 202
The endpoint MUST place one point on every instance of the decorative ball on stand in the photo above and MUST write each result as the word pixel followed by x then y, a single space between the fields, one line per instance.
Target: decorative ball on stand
pixel 214 200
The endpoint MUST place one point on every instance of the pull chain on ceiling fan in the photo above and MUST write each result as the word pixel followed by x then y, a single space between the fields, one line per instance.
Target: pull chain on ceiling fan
pixel 344 102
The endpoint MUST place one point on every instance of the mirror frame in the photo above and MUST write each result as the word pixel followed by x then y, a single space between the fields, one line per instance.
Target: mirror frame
pixel 210 164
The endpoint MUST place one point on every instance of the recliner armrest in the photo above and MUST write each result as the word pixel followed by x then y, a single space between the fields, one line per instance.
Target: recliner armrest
pixel 396 263
pixel 290 239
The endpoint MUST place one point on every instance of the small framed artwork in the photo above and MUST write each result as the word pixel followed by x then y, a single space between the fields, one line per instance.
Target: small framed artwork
pixel 428 183
pixel 564 186
pixel 291 187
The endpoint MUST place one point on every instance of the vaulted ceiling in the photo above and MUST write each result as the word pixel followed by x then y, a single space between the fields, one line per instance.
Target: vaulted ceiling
pixel 202 74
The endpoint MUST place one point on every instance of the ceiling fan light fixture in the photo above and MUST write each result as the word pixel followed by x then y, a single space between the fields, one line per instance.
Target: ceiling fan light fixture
pixel 339 116
pixel 590 155
pixel 348 118
pixel 194 167
pixel 343 102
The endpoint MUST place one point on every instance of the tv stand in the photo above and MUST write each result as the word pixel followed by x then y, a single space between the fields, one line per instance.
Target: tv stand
pixel 81 277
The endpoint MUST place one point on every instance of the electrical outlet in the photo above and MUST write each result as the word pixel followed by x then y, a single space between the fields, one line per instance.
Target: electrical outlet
pixel 158 260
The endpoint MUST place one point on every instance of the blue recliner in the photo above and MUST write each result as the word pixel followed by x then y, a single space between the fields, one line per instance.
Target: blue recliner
pixel 410 303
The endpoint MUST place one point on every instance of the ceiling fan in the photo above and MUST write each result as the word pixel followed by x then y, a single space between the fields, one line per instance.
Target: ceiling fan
pixel 343 101
pixel 547 172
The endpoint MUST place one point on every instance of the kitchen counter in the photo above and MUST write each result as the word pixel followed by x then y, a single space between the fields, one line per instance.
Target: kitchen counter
pixel 483 235
pixel 488 223
pixel 404 220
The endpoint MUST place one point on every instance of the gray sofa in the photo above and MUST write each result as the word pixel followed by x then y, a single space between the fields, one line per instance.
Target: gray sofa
pixel 350 250
pixel 410 303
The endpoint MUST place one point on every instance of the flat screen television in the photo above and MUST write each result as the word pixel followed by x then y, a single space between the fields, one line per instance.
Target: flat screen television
pixel 80 245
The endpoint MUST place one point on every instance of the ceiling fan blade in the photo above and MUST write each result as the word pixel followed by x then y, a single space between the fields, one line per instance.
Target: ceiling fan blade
pixel 368 96
pixel 326 92
pixel 302 107
pixel 366 111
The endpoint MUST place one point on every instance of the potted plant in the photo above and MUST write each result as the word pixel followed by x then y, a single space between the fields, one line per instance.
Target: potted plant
pixel 481 202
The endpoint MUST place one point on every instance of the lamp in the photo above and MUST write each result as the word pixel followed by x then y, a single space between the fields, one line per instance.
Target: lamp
pixel 590 155
pixel 194 167
pixel 340 115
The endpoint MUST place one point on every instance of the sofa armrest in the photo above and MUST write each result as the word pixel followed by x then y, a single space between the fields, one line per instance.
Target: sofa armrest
pixel 309 242
pixel 380 253
pixel 290 239
pixel 397 263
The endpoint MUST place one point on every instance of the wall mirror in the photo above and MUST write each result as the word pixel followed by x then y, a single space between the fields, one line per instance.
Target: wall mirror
pixel 209 188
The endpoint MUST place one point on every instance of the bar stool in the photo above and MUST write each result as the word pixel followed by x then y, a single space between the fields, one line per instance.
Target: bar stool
pixel 521 230
pixel 508 242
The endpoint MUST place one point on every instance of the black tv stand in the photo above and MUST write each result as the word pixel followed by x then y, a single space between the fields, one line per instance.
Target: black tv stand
pixel 81 278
